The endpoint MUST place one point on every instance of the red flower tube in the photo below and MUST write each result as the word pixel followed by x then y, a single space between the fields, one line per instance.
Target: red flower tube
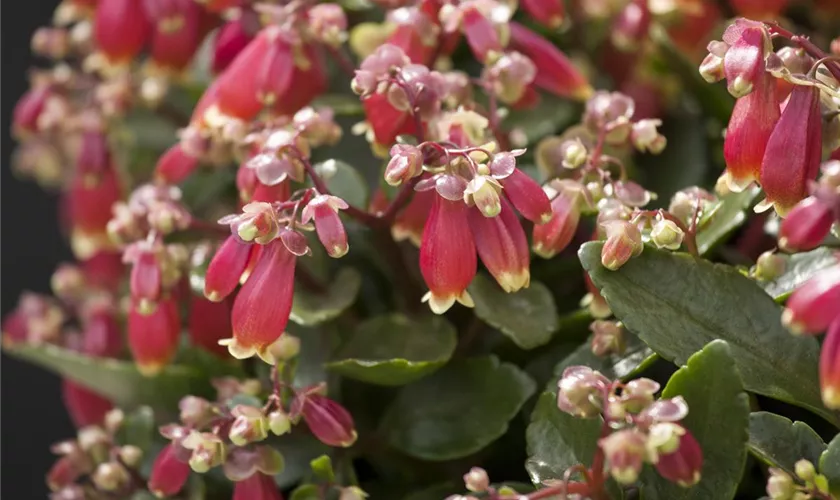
pixel 330 422
pixel 554 236
pixel 153 338
pixel 232 38
pixel 549 13
pixel 447 255
pixel 169 474
pixel 258 486
pixel 502 246
pixel 684 464
pixel 527 196
pixel 175 165
pixel 830 366
pixel 814 305
pixel 84 406
pixel 209 322
pixel 177 32
pixel 227 268
pixel 792 156
pixel 120 29
pixel 261 309
pixel 806 225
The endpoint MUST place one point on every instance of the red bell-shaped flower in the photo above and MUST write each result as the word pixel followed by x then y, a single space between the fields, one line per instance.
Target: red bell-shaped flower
pixel 153 338
pixel 232 38
pixel 830 366
pixel 502 246
pixel 121 29
pixel 169 472
pixel 177 32
pixel 227 268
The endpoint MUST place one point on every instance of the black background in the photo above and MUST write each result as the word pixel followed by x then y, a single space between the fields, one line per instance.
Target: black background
pixel 32 414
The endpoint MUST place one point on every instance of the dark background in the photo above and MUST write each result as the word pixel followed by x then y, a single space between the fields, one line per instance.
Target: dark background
pixel 31 411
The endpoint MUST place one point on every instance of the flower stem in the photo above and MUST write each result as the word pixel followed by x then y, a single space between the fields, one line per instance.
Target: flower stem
pixel 803 41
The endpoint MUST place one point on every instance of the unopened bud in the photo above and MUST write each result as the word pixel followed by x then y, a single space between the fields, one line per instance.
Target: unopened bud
pixel 330 422
pixel 476 480
pixel 769 266
pixel 483 192
pixel 285 348
pixel 780 486
pixel 323 209
pixel 805 470
pixel 279 422
pixel 573 153
pixel 250 425
pixel 579 391
pixel 667 234
pixel 625 453
pixel 711 69
pixel 406 162
pixel 813 306
pixel 683 465
pixel 638 394
pixel 131 455
pixel 646 137
pixel 624 241
pixel 114 420
pixel 110 476
pixel 194 410
pixel 607 337
pixel 806 225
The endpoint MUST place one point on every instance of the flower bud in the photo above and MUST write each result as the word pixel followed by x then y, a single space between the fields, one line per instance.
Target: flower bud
pixel 683 465
pixel 208 451
pixel 580 391
pixel 169 474
pixel 625 452
pixel 667 234
pixel 646 137
pixel 286 348
pixel 830 366
pixel 250 425
pixel 527 197
pixel 153 338
pixel 110 476
pixel 663 438
pixel 330 422
pixel 806 226
pixel 502 246
pixel 195 411
pixel 549 13
pixel 804 470
pixel 406 163
pixel 555 72
pixel 769 266
pixel 573 153
pixel 131 455
pixel 510 76
pixel 780 486
pixel 324 210
pixel 114 420
pixel 476 480
pixel 232 38
pixel 813 306
pixel 175 165
pixel 554 236
pixel 279 423
pixel 638 394
pixel 483 191
pixel 121 29
pixel 624 241
pixel 607 337
pixel 328 23
pixel 743 62
pixel 227 268
pixel 711 69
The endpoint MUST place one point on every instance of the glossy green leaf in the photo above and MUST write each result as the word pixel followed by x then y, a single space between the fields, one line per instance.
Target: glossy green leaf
pixel 636 356
pixel 322 468
pixel 395 350
pixel 138 429
pixel 119 381
pixel 830 465
pixel 800 268
pixel 458 410
pixel 724 218
pixel 344 181
pixel 312 308
pixel 528 317
pixel 557 440
pixel 718 417
pixel 306 492
pixel 778 442
pixel 677 303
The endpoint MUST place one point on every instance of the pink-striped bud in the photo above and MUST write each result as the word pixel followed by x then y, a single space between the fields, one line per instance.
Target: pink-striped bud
pixel 121 29
pixel 323 209
pixel 261 309
pixel 153 338
pixel 329 421
pixel 555 72
pixel 814 305
pixel 447 255
pixel 554 236
pixel 502 246
pixel 258 486
pixel 625 454
pixel 750 127
pixel 549 13
pixel 410 222
pixel 169 471
pixel 743 62
pixel 406 163
pixel 227 268
pixel 830 366
pixel 175 165
pixel 232 38
pixel 792 157
pixel 679 458
pixel 806 225
pixel 624 241
pixel 209 322
pixel 177 32
pixel 631 26
pixel 579 391
pixel 84 406
pixel 528 197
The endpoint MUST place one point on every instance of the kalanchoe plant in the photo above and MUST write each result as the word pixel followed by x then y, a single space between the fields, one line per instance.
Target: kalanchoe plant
pixel 304 236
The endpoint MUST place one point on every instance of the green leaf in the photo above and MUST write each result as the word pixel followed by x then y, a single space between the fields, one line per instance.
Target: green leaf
pixel 395 350
pixel 323 469
pixel 830 465
pixel 718 417
pixel 245 400
pixel 299 450
pixel 528 317
pixel 636 357
pixel 312 308
pixel 551 115
pixel 138 429
pixel 119 381
pixel 557 440
pixel 344 181
pixel 458 410
pixel 800 268
pixel 677 303
pixel 721 220
pixel 341 104
pixel 778 442
pixel 307 492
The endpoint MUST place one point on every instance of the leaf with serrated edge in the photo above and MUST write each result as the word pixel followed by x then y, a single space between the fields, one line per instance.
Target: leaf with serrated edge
pixel 677 303
pixel 528 317
pixel 799 268
pixel 458 410
pixel 311 308
pixel 718 417
pixel 777 441
pixel 395 350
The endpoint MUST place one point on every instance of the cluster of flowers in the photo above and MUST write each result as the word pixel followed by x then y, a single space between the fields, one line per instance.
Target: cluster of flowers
pixel 781 486
pixel 227 435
